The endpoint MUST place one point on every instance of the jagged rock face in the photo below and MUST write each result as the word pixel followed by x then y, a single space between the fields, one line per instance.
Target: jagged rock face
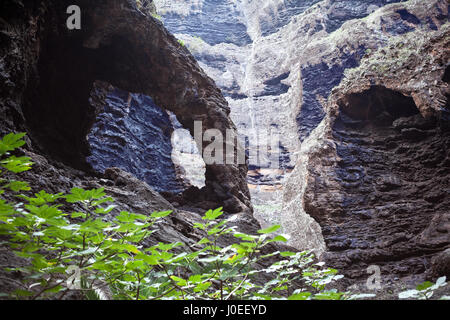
pixel 392 168
pixel 131 132
pixel 374 174
pixel 279 82
pixel 119 45
pixel 220 21
pixel 348 173
pixel 47 77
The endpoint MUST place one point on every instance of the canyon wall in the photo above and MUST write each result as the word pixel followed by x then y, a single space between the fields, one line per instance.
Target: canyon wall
pixel 356 91
pixel 275 63
pixel 360 189
pixel 99 106
pixel 51 70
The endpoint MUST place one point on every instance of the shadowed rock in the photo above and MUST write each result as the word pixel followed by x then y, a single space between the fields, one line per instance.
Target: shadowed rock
pixel 122 46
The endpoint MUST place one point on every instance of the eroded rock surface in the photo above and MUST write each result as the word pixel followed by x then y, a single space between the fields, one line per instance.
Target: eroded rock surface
pixel 374 174
pixel 47 75
pixel 133 133
pixel 117 44
pixel 280 81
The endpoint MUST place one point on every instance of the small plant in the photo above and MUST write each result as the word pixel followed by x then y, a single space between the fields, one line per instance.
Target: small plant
pixel 423 291
pixel 181 42
pixel 104 254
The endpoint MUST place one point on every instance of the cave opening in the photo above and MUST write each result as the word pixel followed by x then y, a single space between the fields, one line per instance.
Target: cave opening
pixel 191 167
pixel 83 118
pixel 446 77
pixel 133 133
pixel 379 104
pixel 60 111
pixel 56 107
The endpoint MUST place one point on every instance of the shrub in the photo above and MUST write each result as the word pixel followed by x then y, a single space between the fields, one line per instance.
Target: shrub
pixel 106 255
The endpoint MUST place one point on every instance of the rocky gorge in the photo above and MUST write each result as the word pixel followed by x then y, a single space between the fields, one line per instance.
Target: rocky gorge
pixel 342 109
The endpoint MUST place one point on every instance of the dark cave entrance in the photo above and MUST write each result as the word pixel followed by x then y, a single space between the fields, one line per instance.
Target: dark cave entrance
pixel 138 57
pixel 91 125
pixel 56 107
pixel 446 77
pixel 379 104
pixel 60 111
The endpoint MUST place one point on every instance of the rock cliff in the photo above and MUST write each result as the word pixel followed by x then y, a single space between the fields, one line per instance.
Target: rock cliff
pixel 375 173
pixel 48 76
pixel 100 104
pixel 356 91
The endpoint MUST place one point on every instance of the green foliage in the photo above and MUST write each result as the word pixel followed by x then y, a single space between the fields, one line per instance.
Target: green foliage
pixel 105 254
pixel 181 42
pixel 424 291
pixel 157 16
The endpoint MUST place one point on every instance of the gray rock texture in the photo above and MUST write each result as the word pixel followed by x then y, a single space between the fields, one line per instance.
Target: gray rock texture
pixel 365 185
pixel 357 92
pixel 374 174
pixel 117 44
pixel 133 133
pixel 276 82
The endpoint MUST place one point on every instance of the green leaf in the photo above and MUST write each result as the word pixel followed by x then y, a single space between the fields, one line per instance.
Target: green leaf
pixel 17 165
pixel 196 278
pixel 161 214
pixel 42 198
pixel 18 186
pixel 75 215
pixel 329 295
pixel 125 216
pixel 45 212
pixel 300 296
pixel 278 239
pixel 177 258
pixel 6 209
pixel 287 254
pixel 11 142
pixel 270 229
pixel 204 241
pixel 424 286
pixel 202 287
pixel 79 195
pixel 150 259
pixel 22 293
pixel 200 226
pixel 213 215
pixel 86 252
pixel 181 282
pixel 245 237
pixel 133 265
pixel 106 210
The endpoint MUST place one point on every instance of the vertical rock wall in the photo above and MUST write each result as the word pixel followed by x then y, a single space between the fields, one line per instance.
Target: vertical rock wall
pixel 348 172
pixel 118 44
pixel 132 133
pixel 374 174
pixel 279 81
